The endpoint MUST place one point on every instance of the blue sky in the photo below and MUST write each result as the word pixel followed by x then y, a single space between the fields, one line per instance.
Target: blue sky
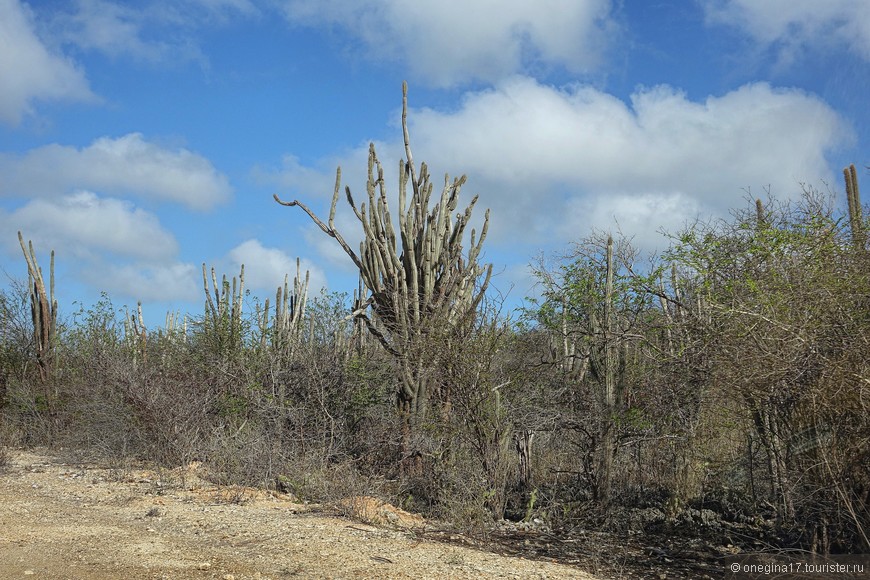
pixel 141 139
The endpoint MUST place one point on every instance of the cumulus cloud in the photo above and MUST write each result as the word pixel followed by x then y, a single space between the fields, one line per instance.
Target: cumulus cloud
pixel 529 147
pixel 327 248
pixel 107 244
pixel 314 186
pixel 447 42
pixel 148 282
pixel 300 178
pixel 552 162
pixel 84 225
pixel 266 267
pixel 128 164
pixel 29 70
pixel 157 31
pixel 642 217
pixel 528 133
pixel 110 28
pixel 791 26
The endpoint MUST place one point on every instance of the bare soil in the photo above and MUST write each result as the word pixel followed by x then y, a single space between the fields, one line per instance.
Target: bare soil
pixel 61 518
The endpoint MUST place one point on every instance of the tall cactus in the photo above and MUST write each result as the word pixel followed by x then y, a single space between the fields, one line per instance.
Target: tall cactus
pixel 43 309
pixel 608 365
pixel 760 220
pixel 289 312
pixel 223 313
pixel 419 279
pixel 856 212
pixel 136 334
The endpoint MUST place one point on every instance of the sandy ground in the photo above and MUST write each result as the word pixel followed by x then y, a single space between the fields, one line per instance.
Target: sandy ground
pixel 65 520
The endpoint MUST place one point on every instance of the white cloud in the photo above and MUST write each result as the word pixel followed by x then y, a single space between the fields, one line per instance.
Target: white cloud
pixel 29 71
pixel 314 186
pixel 128 164
pixel 226 8
pixel 158 31
pixel 640 217
pixel 266 267
pixel 84 225
pixel 307 181
pixel 447 42
pixel 106 243
pixel 148 282
pixel 530 134
pixel 794 25
pixel 327 248
pixel 551 163
pixel 110 28
pixel 527 147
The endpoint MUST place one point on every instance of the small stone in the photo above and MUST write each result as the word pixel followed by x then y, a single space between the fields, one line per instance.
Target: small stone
pixel 228 577
pixel 29 572
pixel 204 566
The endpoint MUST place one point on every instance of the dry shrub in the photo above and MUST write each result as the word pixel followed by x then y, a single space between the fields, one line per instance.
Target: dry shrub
pixel 374 511
pixel 330 483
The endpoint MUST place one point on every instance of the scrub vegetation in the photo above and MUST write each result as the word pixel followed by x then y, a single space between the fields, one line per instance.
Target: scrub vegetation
pixel 719 389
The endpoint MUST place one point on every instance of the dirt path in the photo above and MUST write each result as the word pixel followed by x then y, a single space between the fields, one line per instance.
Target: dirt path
pixel 67 520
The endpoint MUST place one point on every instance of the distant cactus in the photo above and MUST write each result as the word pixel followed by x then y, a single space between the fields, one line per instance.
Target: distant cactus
pixel 223 313
pixel 43 309
pixel 289 312
pixel 136 334
pixel 759 214
pixel 856 212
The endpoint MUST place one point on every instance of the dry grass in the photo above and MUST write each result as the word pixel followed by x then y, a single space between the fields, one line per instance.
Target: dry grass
pixel 372 510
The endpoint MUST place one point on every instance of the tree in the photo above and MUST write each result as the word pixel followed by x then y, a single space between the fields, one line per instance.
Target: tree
pixel 782 311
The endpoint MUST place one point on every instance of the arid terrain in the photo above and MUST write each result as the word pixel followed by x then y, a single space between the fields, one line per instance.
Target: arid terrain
pixel 63 519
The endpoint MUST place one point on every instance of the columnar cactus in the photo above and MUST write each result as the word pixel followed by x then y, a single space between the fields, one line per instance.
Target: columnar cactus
pixel 175 328
pixel 856 212
pixel 43 309
pixel 359 332
pixel 420 281
pixel 759 214
pixel 136 334
pixel 608 364
pixel 223 313
pixel 289 311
